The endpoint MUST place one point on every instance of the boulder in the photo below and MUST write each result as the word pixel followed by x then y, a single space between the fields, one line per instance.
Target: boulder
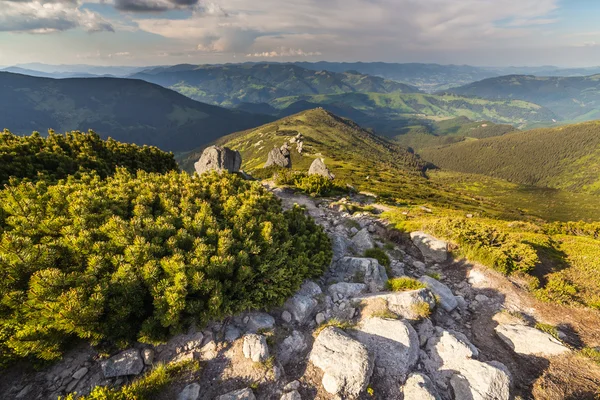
pixel 255 347
pixel 190 392
pixel 259 321
pixel 279 157
pixel 362 270
pixel 290 347
pixel 419 387
pixel 128 362
pixel 405 304
pixel 318 168
pixel 217 158
pixel 345 362
pixel 340 246
pixel 242 394
pixel 346 290
pixel 232 333
pixel 394 345
pixel 301 307
pixel 433 249
pixel 526 340
pixel 444 294
pixel 310 289
pixel 294 395
pixel 362 241
pixel 481 381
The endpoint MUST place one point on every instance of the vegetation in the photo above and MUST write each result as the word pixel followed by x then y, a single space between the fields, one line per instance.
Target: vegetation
pixel 549 329
pixel 139 257
pixel 421 310
pixel 145 387
pixel 260 83
pixel 380 256
pixel 127 110
pixel 313 185
pixel 404 283
pixel 58 156
pixel 336 323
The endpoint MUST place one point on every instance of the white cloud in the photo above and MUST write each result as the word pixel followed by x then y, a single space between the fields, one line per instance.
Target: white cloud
pixel 284 52
pixel 47 16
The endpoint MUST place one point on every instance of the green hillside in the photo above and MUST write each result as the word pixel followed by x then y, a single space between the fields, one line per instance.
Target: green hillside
pixel 391 113
pixel 228 85
pixel 566 157
pixel 127 110
pixel 571 98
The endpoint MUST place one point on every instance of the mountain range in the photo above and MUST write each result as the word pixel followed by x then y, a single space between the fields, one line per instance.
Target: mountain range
pixel 127 110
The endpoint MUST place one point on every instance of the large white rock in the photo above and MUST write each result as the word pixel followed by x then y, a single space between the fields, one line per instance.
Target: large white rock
pixel 217 158
pixel 481 381
pixel 255 347
pixel 318 167
pixel 368 270
pixel 419 387
pixel 128 362
pixel 526 340
pixel 242 394
pixel 405 304
pixel 293 395
pixel 394 344
pixel 446 297
pixel 362 241
pixel 434 250
pixel 346 363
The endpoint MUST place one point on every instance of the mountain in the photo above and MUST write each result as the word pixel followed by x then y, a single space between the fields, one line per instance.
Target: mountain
pixel 55 75
pixel 229 85
pixel 81 69
pixel 566 157
pixel 571 98
pixel 125 109
pixel 394 113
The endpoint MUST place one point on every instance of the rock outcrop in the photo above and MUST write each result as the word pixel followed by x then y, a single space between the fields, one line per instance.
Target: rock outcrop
pixel 434 250
pixel 128 362
pixel 362 270
pixel 255 347
pixel 444 294
pixel 280 157
pixel 217 158
pixel 419 387
pixel 529 341
pixel 318 167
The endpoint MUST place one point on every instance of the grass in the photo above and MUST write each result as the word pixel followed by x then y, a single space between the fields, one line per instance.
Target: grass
pixel 336 323
pixel 404 283
pixel 421 309
pixel 385 314
pixel 143 388
pixel 434 275
pixel 547 328
pixel 591 353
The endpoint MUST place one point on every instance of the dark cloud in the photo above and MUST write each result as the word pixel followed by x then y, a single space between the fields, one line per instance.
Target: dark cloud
pixel 152 5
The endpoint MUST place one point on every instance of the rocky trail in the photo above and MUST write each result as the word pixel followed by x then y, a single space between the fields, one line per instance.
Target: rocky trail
pixel 462 333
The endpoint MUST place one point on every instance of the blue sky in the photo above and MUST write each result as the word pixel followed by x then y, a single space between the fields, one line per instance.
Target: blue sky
pixel 159 32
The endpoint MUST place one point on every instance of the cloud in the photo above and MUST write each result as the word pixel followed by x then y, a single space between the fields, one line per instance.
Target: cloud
pixel 284 52
pixel 153 5
pixel 47 16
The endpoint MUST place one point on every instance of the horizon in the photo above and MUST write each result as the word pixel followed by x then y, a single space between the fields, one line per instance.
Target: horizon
pixel 137 33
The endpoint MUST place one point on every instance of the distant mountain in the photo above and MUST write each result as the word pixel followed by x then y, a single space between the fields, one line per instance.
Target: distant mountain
pixel 229 85
pixel 55 75
pixel 118 71
pixel 566 157
pixel 393 114
pixel 571 98
pixel 128 110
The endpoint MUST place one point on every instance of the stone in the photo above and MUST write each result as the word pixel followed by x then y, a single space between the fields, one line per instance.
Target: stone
pixel 279 157
pixel 128 362
pixel 217 158
pixel 397 268
pixel 346 290
pixel 310 289
pixel 190 392
pixel 242 394
pixel 255 347
pixel 425 330
pixel 259 321
pixel 286 316
pixel 481 381
pixel 433 249
pixel 290 347
pixel 476 278
pixel 362 241
pixel 318 167
pixel 405 304
pixel 209 351
pixel 394 345
pixel 366 270
pixel 320 318
pixel 444 294
pixel 293 385
pixel 530 341
pixel 419 387
pixel 232 333
pixel 482 298
pixel 345 362
pixel 293 395
pixel 24 392
pixel 301 307
pixel 419 266
pixel 340 246
pixel 148 356
pixel 80 373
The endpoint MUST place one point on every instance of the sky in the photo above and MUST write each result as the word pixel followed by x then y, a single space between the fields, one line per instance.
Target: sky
pixel 564 33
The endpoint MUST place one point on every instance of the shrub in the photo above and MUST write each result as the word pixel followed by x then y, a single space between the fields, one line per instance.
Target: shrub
pixel 57 156
pixel 404 283
pixel 140 257
pixel 380 256
pixel 421 309
pixel 316 185
pixel 434 275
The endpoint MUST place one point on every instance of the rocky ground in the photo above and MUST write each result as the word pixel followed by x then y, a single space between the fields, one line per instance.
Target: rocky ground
pixel 466 334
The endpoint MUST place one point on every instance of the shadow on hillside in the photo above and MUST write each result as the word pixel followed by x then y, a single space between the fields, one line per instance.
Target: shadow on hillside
pixel 551 260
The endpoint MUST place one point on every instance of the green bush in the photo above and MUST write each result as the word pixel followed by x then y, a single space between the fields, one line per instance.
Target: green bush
pixel 140 257
pixel 404 283
pixel 380 256
pixel 57 156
